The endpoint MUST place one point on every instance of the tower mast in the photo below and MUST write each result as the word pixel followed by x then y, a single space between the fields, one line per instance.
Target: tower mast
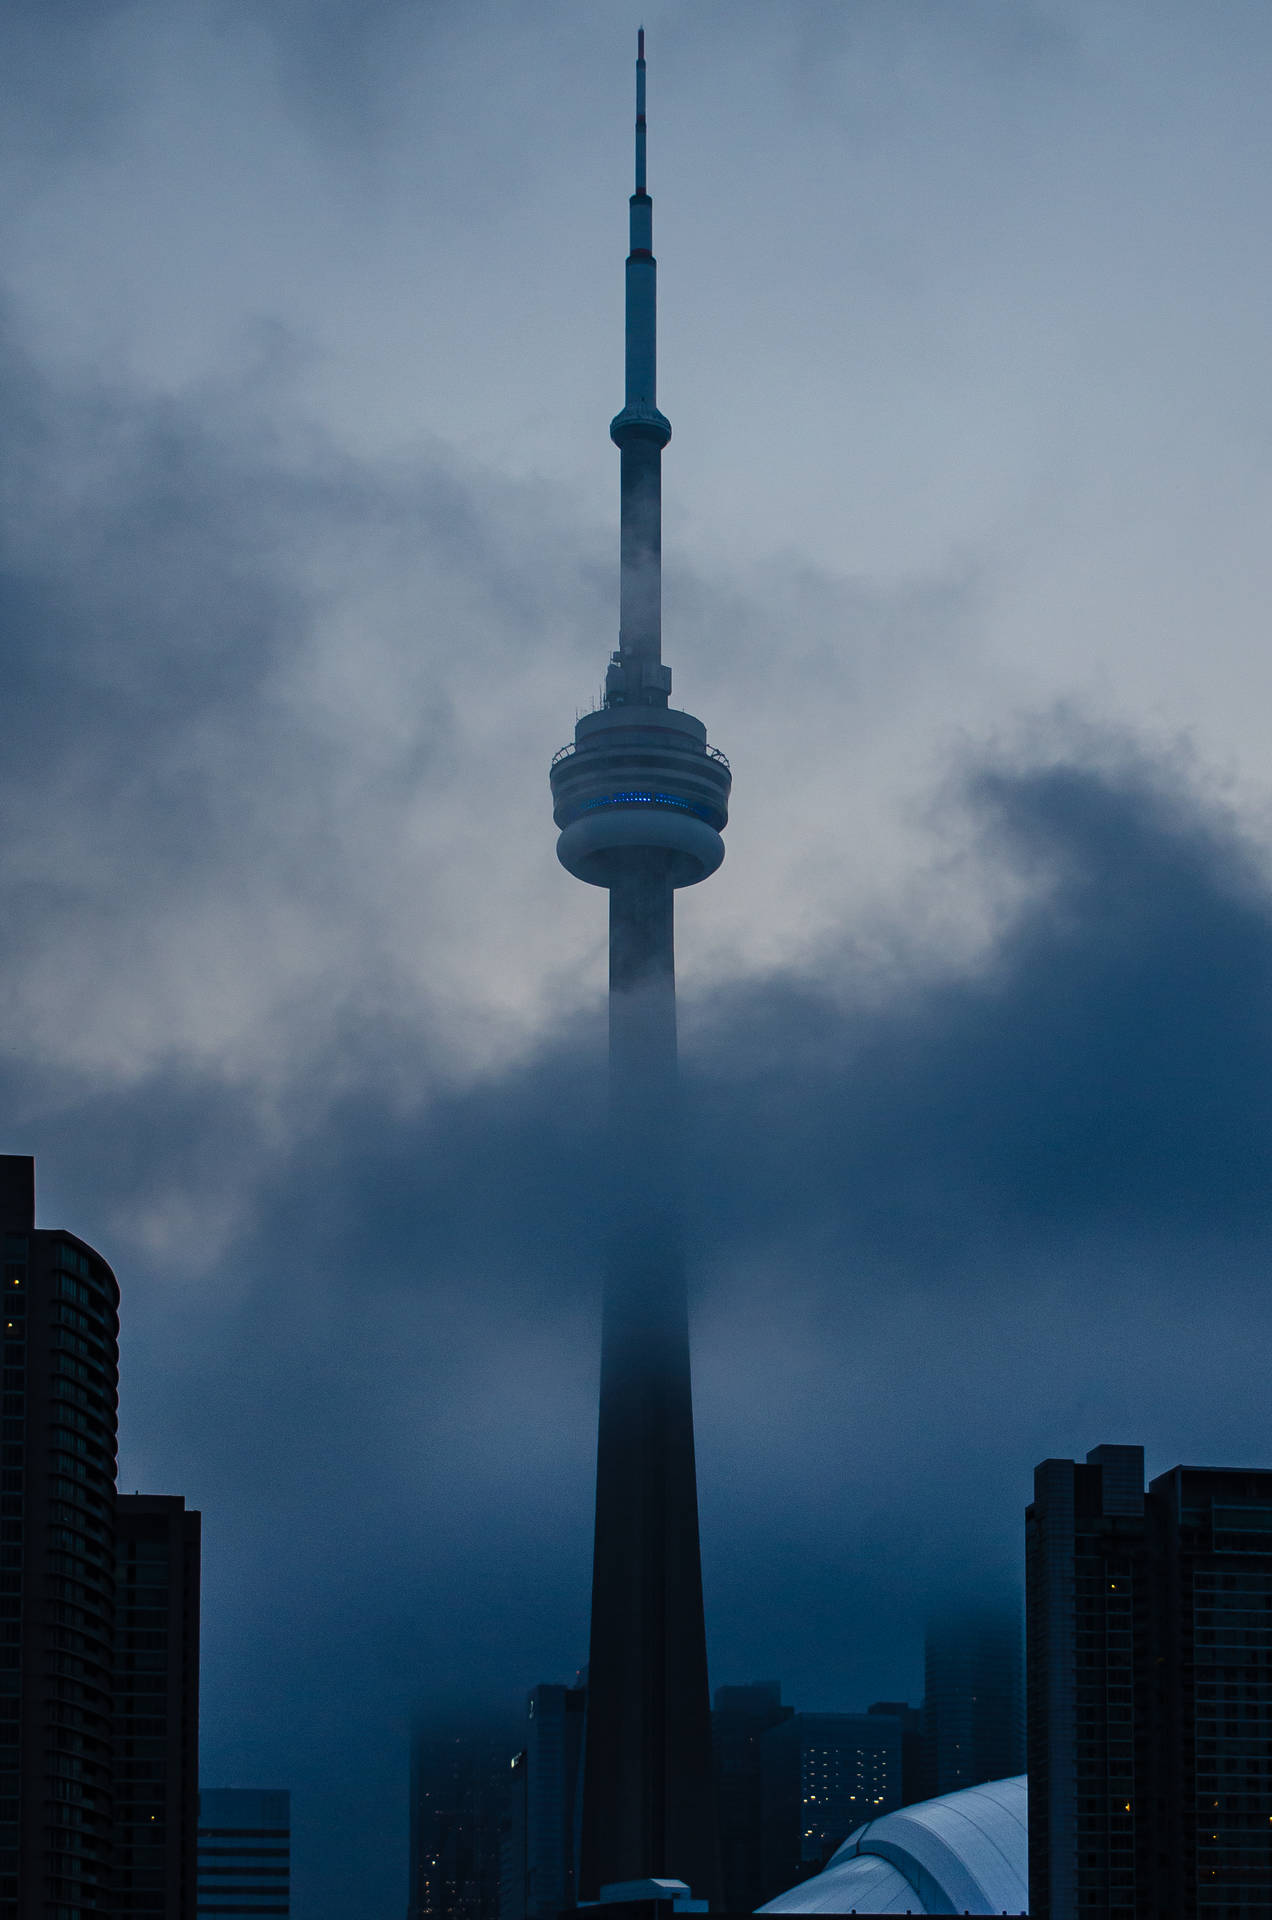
pixel 640 800
pixel 637 675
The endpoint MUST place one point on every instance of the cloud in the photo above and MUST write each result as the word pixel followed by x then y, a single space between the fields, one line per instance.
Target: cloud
pixel 1108 1053
pixel 62 94
pixel 251 770
pixel 947 1219
pixel 977 1173
pixel 282 715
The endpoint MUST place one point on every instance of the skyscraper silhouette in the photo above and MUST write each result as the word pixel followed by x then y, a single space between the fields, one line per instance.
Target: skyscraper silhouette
pixel 640 799
pixel 742 1717
pixel 57 1573
pixel 461 1783
pixel 824 1774
pixel 156 1707
pixel 244 1850
pixel 99 1608
pixel 974 1705
pixel 1150 1689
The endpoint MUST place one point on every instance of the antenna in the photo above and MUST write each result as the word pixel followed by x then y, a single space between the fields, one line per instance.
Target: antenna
pixel 636 675
pixel 640 110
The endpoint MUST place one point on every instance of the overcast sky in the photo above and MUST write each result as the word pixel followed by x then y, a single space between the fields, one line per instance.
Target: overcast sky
pixel 310 332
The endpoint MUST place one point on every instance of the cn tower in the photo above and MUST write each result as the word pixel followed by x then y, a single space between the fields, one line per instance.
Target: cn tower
pixel 640 799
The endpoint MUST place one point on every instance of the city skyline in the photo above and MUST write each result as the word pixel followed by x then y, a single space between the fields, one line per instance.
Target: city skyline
pixel 307 552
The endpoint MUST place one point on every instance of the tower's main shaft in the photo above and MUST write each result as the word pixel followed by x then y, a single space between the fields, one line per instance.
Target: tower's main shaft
pixel 640 800
pixel 648 1801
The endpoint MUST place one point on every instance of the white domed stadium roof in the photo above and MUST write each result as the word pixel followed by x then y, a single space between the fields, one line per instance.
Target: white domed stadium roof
pixel 964 1853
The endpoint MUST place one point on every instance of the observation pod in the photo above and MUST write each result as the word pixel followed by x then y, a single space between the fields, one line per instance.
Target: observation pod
pixel 640 780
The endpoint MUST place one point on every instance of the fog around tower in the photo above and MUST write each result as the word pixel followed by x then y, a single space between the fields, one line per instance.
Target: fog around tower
pixel 307 558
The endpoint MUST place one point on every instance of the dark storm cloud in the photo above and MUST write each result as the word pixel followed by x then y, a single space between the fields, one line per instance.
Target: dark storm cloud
pixel 1109 1060
pixel 380 1392
pixel 132 542
pixel 980 1213
pixel 211 741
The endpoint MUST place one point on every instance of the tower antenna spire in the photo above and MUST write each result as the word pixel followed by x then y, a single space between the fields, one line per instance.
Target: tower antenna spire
pixel 636 675
pixel 640 110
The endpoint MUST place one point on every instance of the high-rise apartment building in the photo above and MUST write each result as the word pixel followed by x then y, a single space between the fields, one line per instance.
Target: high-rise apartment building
pixel 823 1775
pixel 913 1771
pixel 99 1608
pixel 514 1855
pixel 57 1573
pixel 554 1758
pixel 739 1722
pixel 974 1697
pixel 244 1851
pixel 541 1826
pixel 1150 1691
pixel 463 1792
pixel 156 1706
